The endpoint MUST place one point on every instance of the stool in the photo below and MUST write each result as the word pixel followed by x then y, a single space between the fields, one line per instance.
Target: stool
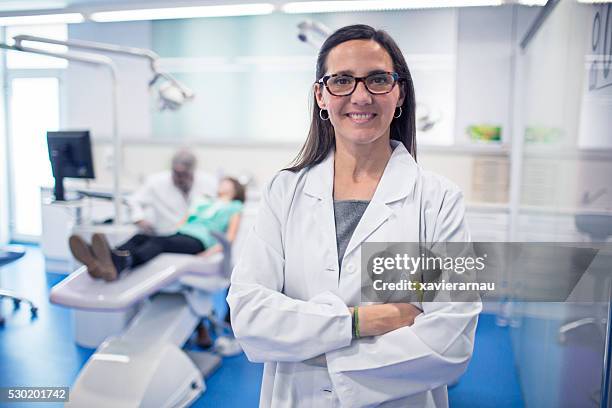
pixel 6 257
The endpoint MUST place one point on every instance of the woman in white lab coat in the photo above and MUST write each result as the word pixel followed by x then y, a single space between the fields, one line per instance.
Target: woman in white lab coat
pixel 295 288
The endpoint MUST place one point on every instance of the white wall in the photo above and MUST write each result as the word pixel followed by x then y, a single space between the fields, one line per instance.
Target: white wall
pixel 88 89
pixel 486 40
pixel 484 69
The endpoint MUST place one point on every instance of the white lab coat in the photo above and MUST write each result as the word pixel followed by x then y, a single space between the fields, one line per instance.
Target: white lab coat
pixel 289 304
pixel 162 204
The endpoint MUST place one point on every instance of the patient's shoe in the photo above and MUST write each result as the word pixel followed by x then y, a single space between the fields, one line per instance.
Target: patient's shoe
pixel 203 338
pixel 112 262
pixel 83 253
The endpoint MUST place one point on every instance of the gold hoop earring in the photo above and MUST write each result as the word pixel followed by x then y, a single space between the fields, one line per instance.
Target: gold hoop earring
pixel 398 114
pixel 321 114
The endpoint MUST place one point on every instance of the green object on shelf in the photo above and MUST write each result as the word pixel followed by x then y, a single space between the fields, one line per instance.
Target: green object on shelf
pixel 484 133
pixel 543 135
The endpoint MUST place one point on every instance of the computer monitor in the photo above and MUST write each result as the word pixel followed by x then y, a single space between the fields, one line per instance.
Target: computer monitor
pixel 70 156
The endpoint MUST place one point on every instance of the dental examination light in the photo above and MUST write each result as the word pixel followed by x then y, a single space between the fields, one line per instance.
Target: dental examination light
pixel 100 60
pixel 171 93
pixel 313 33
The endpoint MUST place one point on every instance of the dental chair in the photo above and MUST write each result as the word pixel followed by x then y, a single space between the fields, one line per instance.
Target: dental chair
pixel 145 365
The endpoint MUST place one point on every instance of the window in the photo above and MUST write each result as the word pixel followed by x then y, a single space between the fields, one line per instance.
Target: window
pixel 34 108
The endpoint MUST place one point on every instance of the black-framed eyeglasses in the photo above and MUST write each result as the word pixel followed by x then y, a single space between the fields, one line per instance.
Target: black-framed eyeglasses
pixel 343 84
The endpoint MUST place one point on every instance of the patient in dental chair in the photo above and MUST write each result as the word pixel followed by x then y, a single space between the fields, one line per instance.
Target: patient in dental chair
pixel 193 236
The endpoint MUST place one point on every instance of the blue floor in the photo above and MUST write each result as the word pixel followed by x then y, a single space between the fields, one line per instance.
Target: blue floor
pixel 42 352
pixel 491 379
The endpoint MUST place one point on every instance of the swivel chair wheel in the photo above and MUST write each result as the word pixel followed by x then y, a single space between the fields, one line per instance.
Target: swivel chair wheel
pixel 16 304
pixel 34 312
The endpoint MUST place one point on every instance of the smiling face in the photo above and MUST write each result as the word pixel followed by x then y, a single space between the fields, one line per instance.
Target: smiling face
pixel 359 118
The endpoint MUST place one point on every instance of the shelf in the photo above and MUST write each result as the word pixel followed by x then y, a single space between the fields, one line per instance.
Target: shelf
pixel 468 149
pixel 547 210
pixel 557 152
pixel 487 207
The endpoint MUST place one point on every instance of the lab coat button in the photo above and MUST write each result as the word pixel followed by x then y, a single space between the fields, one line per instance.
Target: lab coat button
pixel 350 268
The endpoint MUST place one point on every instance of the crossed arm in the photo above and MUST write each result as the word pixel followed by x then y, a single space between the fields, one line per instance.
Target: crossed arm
pixel 406 352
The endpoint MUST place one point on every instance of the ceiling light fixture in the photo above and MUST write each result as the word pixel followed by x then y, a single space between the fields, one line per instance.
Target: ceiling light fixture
pixel 170 13
pixel 379 5
pixel 35 19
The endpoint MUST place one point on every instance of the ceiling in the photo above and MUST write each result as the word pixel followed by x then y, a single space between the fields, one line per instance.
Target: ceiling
pixel 15 6
pixel 18 7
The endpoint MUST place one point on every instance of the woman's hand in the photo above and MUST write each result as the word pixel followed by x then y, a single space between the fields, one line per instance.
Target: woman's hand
pixel 146 227
pixel 375 320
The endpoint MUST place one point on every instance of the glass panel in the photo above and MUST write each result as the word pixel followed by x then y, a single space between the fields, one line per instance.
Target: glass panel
pixel 34 109
pixel 566 196
pixel 16 60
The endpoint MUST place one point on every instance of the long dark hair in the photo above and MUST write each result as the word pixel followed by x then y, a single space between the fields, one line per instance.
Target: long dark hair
pixel 321 135
pixel 239 189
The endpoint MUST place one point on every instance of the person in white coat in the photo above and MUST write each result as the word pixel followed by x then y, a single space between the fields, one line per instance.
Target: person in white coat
pixel 295 292
pixel 160 204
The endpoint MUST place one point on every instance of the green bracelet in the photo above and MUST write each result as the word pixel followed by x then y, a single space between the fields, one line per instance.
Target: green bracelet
pixel 356 321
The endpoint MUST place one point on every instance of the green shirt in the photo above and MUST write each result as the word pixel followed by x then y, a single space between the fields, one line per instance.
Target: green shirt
pixel 209 215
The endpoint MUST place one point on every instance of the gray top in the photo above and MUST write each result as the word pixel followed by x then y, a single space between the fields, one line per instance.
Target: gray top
pixel 347 214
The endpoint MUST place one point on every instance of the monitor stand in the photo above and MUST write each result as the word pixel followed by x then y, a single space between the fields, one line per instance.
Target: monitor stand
pixel 58 164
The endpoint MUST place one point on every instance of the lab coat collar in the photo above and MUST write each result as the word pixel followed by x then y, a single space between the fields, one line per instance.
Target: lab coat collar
pixel 397 181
